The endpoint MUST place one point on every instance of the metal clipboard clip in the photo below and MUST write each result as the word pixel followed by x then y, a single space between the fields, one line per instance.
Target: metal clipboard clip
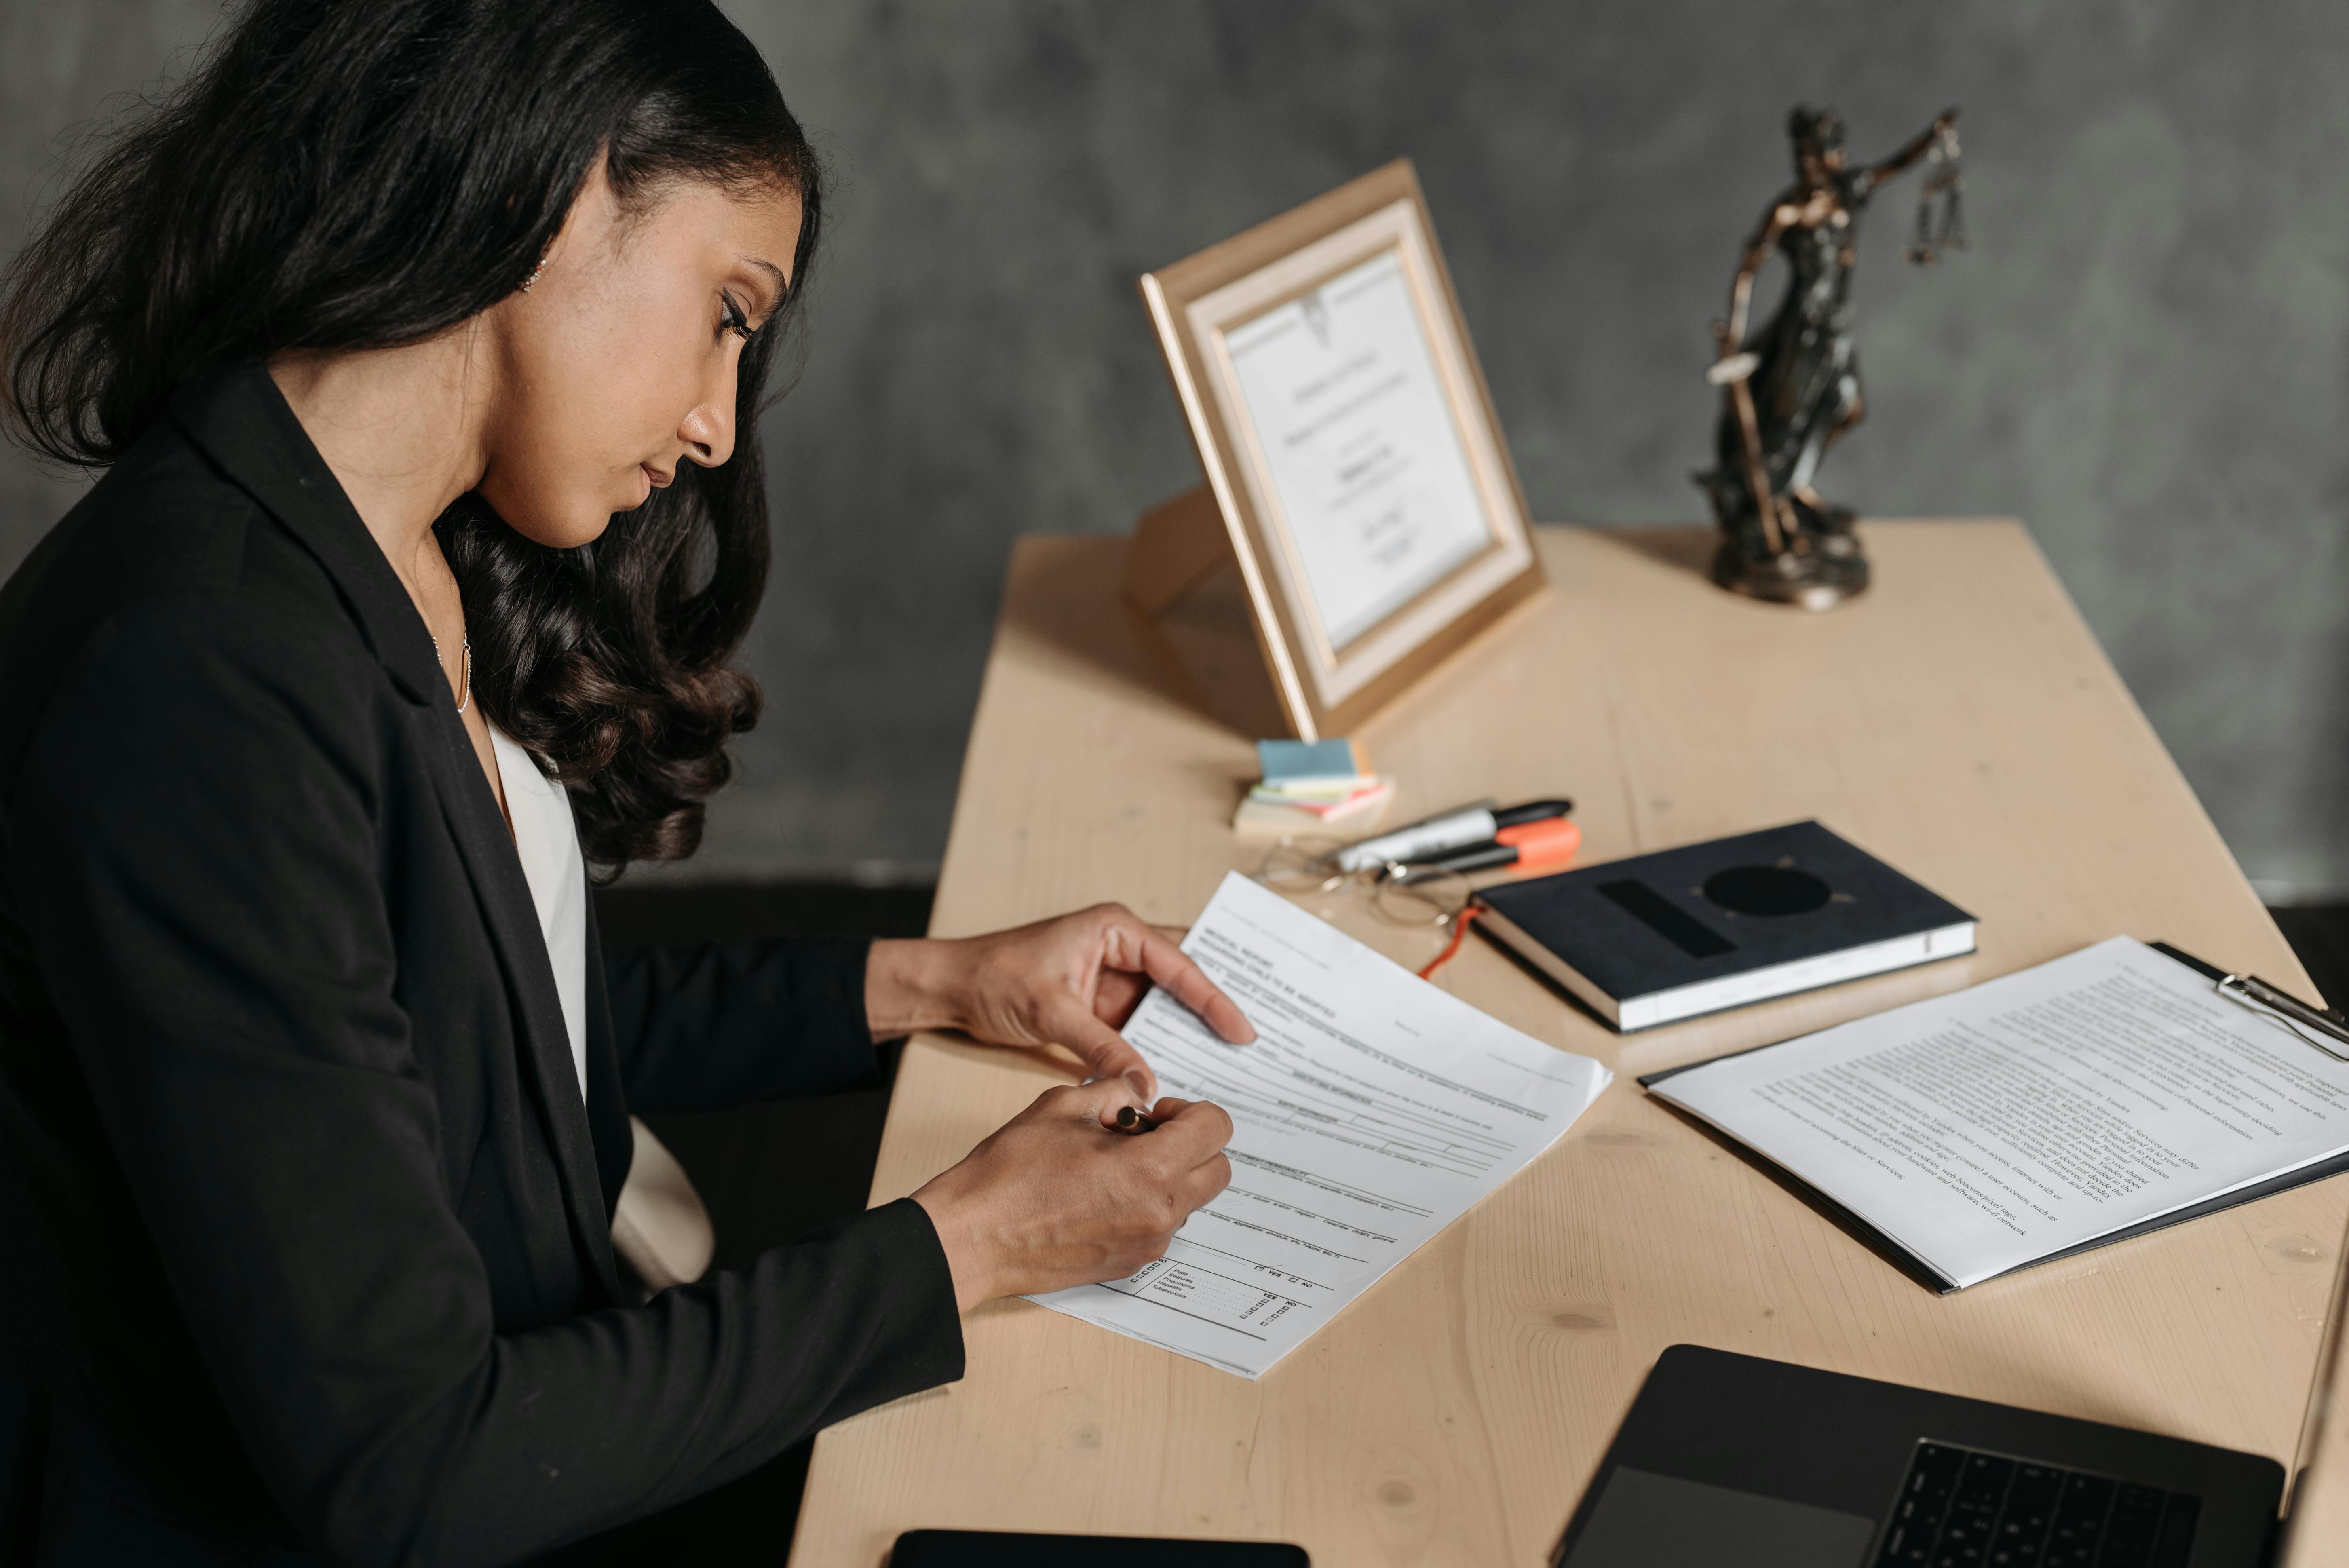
pixel 2327 1029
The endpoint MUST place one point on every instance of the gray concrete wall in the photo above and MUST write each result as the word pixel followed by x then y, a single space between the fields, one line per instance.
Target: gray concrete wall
pixel 2143 354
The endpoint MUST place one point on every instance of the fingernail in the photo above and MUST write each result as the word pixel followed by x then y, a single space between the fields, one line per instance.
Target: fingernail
pixel 1140 1085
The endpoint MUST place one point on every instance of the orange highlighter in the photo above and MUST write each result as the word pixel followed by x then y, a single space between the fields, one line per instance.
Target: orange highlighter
pixel 1544 845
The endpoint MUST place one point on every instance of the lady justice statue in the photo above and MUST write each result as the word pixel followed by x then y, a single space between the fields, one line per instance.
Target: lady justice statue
pixel 1794 387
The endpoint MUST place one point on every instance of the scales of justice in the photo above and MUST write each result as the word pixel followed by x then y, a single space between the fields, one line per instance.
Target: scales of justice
pixel 1792 388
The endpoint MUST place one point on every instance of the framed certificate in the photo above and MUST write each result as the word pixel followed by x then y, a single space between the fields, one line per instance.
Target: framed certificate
pixel 1350 446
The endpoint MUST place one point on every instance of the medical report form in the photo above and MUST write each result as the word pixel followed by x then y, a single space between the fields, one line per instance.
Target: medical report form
pixel 1372 1110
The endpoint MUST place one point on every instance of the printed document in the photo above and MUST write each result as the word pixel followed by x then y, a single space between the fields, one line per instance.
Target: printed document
pixel 1349 412
pixel 1372 1112
pixel 1998 1126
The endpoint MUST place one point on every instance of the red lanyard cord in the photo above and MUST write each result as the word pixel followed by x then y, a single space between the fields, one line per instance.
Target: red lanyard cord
pixel 1460 924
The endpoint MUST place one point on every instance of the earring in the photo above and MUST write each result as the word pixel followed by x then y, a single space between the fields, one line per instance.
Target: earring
pixel 533 275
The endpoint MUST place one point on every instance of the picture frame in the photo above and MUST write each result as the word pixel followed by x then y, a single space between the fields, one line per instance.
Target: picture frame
pixel 1356 474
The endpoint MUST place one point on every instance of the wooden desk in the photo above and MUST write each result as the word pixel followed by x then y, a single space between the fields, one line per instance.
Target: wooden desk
pixel 1959 720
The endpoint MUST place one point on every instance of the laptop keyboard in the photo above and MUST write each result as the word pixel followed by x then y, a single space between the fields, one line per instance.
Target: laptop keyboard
pixel 1962 1508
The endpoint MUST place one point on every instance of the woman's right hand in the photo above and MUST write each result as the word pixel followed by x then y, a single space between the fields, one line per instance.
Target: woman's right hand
pixel 1055 1198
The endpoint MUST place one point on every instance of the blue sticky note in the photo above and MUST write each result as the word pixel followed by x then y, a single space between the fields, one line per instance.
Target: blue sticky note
pixel 1283 759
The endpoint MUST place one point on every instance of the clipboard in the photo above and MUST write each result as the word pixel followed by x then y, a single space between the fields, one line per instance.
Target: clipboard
pixel 1907 1262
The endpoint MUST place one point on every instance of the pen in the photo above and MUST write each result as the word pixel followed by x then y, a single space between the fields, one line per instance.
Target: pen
pixel 1459 828
pixel 1132 1122
pixel 2259 993
pixel 1540 845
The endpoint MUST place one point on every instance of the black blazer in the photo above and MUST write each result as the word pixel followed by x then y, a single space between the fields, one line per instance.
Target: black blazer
pixel 308 1235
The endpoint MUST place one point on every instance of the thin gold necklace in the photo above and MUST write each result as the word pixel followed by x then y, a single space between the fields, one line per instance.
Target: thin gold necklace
pixel 464 697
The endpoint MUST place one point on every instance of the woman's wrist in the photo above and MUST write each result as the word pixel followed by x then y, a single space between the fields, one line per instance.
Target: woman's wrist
pixel 913 983
pixel 967 1263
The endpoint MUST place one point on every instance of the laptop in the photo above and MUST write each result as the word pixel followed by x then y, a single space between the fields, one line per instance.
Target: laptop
pixel 1727 1459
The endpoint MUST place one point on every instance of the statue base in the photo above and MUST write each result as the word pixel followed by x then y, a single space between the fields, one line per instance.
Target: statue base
pixel 1808 580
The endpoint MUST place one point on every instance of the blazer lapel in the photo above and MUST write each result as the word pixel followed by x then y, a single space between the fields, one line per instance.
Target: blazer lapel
pixel 607 1106
pixel 238 417
pixel 482 838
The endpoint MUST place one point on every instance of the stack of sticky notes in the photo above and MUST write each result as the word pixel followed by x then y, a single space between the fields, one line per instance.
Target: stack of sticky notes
pixel 1313 784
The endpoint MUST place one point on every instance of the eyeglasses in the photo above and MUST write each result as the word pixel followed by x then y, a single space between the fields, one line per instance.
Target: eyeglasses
pixel 1421 897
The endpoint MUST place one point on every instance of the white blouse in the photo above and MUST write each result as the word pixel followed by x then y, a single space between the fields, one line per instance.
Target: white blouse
pixel 548 841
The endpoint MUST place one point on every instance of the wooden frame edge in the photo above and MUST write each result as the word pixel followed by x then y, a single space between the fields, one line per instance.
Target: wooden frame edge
pixel 1166 294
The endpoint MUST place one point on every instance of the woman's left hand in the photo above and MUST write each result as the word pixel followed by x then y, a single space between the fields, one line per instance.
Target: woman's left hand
pixel 1071 981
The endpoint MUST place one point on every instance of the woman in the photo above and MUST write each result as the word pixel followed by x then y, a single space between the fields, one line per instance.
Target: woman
pixel 421 341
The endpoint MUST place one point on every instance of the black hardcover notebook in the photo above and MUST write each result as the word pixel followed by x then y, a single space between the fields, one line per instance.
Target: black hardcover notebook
pixel 1658 938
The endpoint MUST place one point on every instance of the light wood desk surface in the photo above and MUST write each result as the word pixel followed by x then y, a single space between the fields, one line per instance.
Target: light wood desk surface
pixel 1959 720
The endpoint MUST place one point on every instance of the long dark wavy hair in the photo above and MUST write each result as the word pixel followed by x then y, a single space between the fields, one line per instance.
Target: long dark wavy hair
pixel 353 174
